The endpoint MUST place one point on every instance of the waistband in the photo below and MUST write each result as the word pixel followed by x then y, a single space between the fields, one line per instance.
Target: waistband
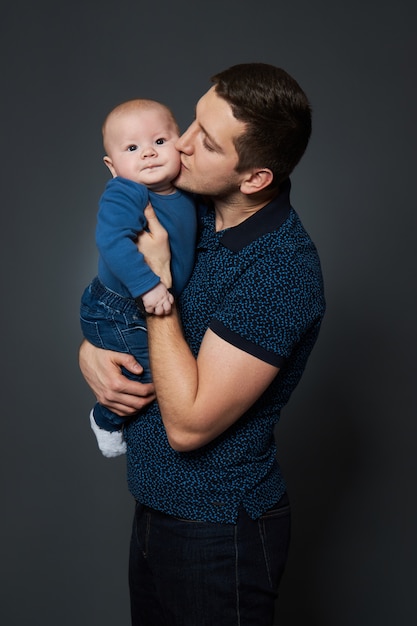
pixel 113 299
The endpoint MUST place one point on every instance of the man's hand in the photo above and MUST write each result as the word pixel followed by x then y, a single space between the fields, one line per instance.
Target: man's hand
pixel 102 372
pixel 154 245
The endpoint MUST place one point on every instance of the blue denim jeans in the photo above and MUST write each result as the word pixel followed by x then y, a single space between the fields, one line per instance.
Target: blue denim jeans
pixel 185 573
pixel 112 322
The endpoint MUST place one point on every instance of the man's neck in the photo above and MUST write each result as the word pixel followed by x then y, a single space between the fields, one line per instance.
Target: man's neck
pixel 235 210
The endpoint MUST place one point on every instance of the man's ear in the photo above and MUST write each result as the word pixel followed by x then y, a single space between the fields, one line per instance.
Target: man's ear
pixel 256 181
pixel 107 161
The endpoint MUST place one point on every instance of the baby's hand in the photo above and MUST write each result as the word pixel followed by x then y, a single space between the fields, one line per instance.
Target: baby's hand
pixel 158 301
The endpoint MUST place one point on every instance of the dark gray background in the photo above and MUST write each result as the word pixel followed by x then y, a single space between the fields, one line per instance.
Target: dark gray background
pixel 347 440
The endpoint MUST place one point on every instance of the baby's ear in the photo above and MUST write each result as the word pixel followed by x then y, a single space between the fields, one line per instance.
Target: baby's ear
pixel 109 163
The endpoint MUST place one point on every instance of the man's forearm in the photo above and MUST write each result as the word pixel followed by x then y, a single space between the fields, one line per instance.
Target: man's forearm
pixel 174 372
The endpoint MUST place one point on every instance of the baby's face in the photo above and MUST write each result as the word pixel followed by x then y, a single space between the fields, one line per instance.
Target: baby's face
pixel 141 146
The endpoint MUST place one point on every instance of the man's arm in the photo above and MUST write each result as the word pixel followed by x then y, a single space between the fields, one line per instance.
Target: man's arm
pixel 200 398
pixel 102 372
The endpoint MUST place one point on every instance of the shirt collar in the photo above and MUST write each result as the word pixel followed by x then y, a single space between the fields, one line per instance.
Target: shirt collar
pixel 267 219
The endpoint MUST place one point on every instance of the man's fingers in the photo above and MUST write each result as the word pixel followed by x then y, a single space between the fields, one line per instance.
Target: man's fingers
pixel 149 210
pixel 151 217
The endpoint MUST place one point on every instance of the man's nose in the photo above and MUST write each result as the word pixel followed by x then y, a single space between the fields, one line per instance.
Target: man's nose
pixel 185 142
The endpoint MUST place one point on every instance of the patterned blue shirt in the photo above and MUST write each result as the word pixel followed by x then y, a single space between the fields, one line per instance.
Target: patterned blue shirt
pixel 259 287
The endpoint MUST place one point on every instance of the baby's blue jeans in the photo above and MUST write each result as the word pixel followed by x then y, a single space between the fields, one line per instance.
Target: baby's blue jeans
pixel 113 322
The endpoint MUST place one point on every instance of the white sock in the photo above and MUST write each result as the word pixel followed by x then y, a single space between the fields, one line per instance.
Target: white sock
pixel 111 444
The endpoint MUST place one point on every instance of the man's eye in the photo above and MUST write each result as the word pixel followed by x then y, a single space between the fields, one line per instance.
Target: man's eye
pixel 160 141
pixel 132 148
pixel 207 146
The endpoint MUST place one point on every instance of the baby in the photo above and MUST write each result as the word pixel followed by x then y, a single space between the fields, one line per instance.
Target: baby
pixel 139 138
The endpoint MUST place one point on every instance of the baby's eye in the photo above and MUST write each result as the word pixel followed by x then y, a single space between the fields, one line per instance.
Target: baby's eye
pixel 160 141
pixel 132 148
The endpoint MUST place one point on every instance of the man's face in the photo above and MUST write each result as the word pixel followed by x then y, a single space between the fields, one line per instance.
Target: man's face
pixel 208 154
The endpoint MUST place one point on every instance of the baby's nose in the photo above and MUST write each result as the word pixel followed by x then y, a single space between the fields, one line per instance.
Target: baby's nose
pixel 148 150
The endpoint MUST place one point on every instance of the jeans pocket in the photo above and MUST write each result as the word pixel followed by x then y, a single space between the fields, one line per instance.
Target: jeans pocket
pixel 282 507
pixel 274 532
pixel 90 330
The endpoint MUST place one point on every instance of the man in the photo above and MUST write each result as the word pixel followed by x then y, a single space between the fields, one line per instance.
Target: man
pixel 211 528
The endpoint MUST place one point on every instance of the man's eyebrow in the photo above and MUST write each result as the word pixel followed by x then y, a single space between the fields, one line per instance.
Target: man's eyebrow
pixel 207 134
pixel 211 139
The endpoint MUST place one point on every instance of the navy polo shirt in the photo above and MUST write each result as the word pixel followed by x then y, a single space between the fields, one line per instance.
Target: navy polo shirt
pixel 259 287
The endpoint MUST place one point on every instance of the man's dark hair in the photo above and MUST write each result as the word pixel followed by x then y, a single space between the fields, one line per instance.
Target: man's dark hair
pixel 276 112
